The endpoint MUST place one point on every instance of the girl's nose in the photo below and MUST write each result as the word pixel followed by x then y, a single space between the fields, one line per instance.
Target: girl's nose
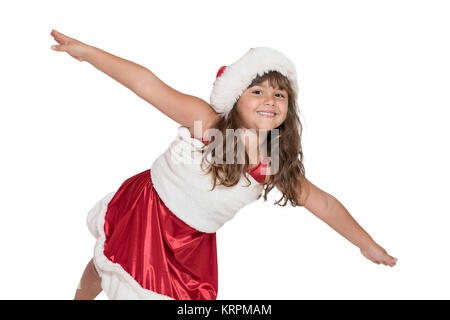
pixel 269 100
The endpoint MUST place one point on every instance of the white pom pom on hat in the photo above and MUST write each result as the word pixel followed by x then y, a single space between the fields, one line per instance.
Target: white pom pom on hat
pixel 234 79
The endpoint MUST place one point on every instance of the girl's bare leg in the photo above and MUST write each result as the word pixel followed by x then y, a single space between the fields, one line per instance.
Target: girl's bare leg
pixel 90 283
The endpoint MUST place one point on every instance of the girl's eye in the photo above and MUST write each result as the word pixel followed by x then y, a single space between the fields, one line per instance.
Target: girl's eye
pixel 255 91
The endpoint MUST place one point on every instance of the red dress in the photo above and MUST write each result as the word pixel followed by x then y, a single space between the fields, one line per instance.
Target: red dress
pixel 156 248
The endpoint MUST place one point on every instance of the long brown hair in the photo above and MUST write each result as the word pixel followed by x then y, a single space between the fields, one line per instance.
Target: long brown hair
pixel 291 174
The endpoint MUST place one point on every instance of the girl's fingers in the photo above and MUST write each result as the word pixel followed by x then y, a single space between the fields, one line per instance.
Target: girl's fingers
pixel 59 48
pixel 391 259
pixel 59 37
pixel 390 262
pixel 56 33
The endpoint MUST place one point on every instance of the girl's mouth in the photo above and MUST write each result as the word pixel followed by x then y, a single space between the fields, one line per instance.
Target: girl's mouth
pixel 266 114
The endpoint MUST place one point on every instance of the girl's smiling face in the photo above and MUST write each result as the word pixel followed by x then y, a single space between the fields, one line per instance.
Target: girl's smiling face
pixel 262 106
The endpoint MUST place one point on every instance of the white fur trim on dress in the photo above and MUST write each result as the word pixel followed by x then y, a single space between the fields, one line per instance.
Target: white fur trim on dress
pixel 116 282
pixel 237 77
pixel 184 187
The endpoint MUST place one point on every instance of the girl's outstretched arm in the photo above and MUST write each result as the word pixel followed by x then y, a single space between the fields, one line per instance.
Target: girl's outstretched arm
pixel 182 108
pixel 327 208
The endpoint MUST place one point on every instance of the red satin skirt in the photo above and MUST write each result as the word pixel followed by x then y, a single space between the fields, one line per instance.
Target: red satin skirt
pixel 161 252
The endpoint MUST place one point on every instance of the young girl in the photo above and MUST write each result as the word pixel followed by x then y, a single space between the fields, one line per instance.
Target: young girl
pixel 156 234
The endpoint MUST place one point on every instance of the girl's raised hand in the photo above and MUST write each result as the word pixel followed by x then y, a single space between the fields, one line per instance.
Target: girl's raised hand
pixel 378 255
pixel 72 46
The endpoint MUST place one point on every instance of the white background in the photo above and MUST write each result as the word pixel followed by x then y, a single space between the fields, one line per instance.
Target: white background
pixel 374 98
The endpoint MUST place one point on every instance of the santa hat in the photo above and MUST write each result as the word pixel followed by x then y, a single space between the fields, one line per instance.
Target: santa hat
pixel 234 79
